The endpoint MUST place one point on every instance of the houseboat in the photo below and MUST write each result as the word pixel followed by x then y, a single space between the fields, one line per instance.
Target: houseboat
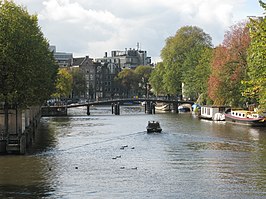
pixel 243 117
pixel 215 113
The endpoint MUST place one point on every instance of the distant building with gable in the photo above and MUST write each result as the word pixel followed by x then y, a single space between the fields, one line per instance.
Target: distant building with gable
pixel 99 77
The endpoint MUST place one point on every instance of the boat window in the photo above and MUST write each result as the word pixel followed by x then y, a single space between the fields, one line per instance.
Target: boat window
pixel 255 115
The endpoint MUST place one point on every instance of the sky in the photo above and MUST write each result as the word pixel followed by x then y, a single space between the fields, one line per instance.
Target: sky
pixel 93 27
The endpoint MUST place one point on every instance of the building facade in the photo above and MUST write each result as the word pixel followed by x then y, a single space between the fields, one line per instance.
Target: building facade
pixel 99 78
pixel 129 58
pixel 62 59
pixel 99 75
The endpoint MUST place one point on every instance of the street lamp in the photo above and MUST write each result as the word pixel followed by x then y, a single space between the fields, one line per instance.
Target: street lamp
pixel 147 90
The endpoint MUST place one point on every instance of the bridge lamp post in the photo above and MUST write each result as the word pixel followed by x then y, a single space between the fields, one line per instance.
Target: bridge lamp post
pixel 147 90
pixel 140 90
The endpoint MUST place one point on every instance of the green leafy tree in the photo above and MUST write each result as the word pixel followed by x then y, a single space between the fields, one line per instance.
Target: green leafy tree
pixel 143 74
pixel 27 67
pixel 181 55
pixel 63 84
pixel 128 80
pixel 156 79
pixel 79 83
pixel 255 85
pixel 196 85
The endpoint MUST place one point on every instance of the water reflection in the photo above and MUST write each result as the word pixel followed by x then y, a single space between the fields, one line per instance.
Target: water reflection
pixel 22 191
pixel 230 146
pixel 30 176
pixel 25 177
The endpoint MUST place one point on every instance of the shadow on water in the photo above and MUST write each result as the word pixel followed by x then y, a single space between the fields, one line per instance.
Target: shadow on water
pixel 27 176
pixel 30 175
pixel 25 191
pixel 46 138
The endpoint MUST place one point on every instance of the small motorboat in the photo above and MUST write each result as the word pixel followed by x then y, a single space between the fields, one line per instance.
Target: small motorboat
pixel 153 126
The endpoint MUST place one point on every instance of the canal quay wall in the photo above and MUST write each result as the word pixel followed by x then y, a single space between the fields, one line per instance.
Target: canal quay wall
pixel 20 132
pixel 50 111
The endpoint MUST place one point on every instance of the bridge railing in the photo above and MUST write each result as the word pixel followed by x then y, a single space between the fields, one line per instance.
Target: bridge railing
pixel 122 100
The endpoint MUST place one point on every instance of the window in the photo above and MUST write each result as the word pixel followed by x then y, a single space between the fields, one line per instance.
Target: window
pixel 208 111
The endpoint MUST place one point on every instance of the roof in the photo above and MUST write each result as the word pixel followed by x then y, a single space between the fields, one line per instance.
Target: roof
pixel 78 61
pixel 216 106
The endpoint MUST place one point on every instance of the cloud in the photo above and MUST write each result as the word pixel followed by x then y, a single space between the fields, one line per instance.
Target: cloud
pixel 89 27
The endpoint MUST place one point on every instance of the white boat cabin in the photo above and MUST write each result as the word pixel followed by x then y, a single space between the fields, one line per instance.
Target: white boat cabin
pixel 245 114
pixel 213 112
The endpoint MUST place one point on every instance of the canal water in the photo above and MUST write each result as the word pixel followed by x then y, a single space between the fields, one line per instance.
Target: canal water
pixel 112 156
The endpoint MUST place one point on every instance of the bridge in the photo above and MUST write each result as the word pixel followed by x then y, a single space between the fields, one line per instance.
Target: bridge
pixel 16 138
pixel 115 104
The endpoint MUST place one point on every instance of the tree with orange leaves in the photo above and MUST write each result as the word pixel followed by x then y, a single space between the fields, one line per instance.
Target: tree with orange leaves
pixel 229 67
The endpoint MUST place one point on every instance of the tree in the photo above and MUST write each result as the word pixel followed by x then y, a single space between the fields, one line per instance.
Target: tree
pixel 143 74
pixel 181 55
pixel 229 67
pixel 64 83
pixel 255 85
pixel 196 85
pixel 79 83
pixel 156 79
pixel 127 79
pixel 216 83
pixel 27 67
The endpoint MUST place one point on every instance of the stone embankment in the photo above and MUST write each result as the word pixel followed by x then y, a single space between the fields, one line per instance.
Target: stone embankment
pixel 18 129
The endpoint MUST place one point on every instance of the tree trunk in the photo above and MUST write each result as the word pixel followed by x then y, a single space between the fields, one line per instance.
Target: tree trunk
pixel 6 118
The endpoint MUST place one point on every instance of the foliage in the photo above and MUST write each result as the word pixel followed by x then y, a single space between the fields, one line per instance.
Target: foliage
pixel 196 85
pixel 156 79
pixel 127 79
pixel 27 67
pixel 215 81
pixel 134 80
pixel 79 83
pixel 181 55
pixel 255 86
pixel 229 67
pixel 143 74
pixel 63 84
